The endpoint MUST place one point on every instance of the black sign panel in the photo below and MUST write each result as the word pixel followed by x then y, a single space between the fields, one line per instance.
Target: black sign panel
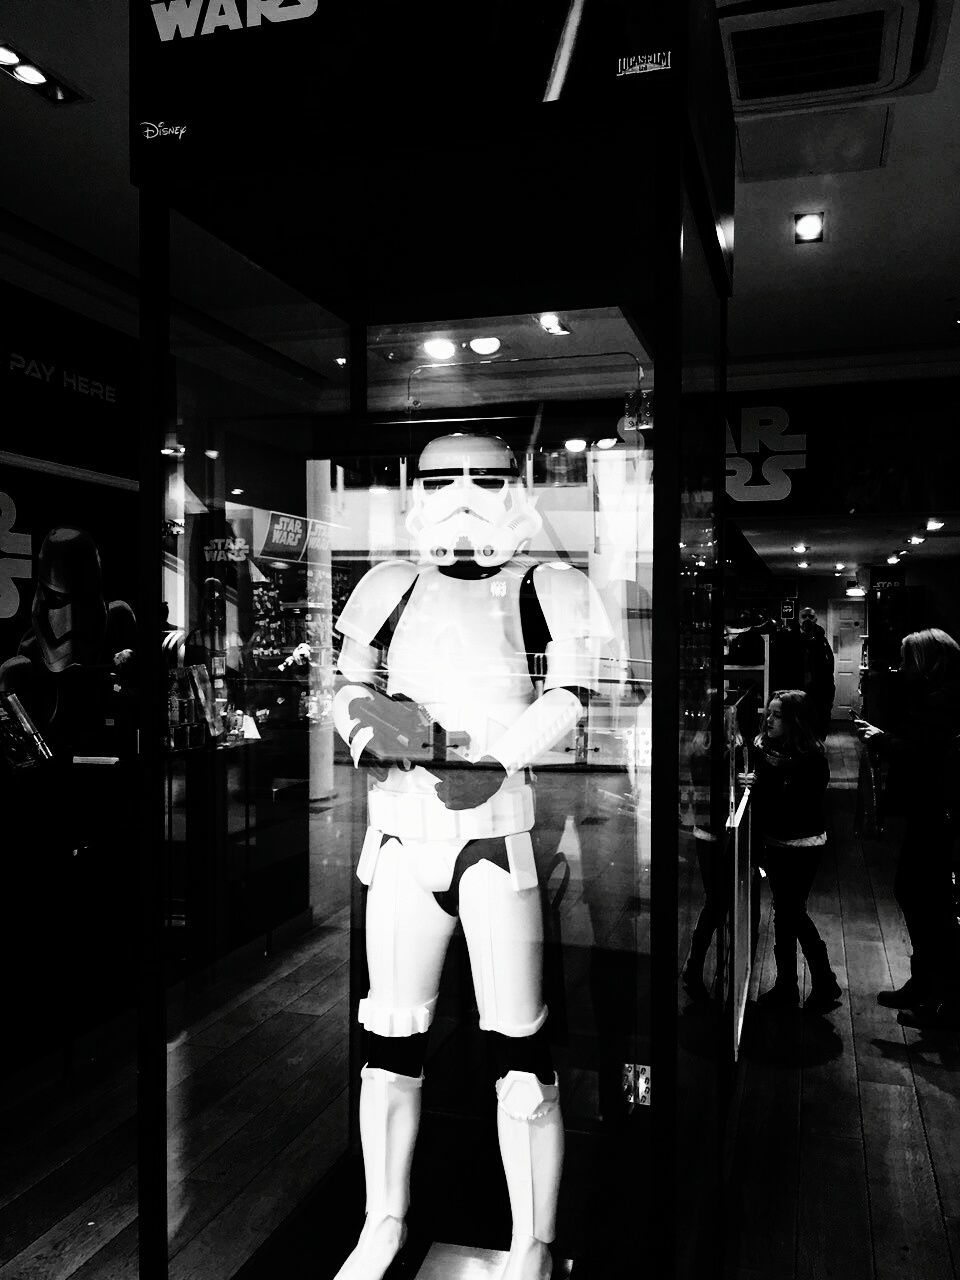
pixel 242 86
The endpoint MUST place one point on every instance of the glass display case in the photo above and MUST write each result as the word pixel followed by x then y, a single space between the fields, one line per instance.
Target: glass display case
pixel 432 662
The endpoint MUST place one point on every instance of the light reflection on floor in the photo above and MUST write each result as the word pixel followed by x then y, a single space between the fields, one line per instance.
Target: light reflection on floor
pixel 457 1262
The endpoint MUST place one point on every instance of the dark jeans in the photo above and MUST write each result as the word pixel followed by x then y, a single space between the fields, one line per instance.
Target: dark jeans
pixel 791 873
pixel 924 889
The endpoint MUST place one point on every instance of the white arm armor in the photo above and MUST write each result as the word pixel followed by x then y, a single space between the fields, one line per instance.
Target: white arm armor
pixel 346 724
pixel 579 628
pixel 540 727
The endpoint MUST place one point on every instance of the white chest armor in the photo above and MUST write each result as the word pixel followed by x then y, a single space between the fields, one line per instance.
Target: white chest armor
pixel 459 652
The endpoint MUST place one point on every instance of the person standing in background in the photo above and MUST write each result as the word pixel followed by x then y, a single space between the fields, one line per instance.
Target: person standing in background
pixel 804 660
pixel 789 787
pixel 924 747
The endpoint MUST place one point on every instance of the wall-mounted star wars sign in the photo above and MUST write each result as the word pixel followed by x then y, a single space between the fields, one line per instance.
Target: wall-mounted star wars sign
pixel 847 450
pixel 237 86
pixel 189 18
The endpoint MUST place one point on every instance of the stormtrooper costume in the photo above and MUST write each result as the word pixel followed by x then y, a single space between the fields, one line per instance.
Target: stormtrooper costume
pixel 436 647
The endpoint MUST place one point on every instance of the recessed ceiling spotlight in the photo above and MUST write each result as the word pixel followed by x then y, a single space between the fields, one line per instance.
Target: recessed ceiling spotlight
pixel 212 454
pixel 440 348
pixel 485 346
pixel 29 74
pixel 610 442
pixel 893 559
pixel 856 591
pixel 575 445
pixel 838 566
pixel 838 574
pixel 7 57
pixel 916 539
pixel 552 323
pixel 236 492
pixel 934 525
pixel 802 564
pixel 800 548
pixel 277 564
pixel 807 228
pixel 340 360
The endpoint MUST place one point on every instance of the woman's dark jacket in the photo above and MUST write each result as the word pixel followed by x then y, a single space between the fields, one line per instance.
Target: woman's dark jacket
pixel 788 794
pixel 923 747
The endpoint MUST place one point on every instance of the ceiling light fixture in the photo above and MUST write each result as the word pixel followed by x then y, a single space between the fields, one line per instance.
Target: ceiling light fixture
pixel 29 74
pixel 212 454
pixel 802 564
pixel 440 348
pixel 7 56
pixel 800 548
pixel 840 566
pixel 893 559
pixel 236 492
pixel 340 360
pixel 808 228
pixel 485 346
pixel 575 445
pixel 609 442
pixel 934 525
pixel 277 564
pixel 856 591
pixel 916 539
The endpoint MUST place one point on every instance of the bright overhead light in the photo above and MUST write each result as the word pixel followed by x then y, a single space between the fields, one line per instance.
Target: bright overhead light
pixel 340 360
pixel 29 74
pixel 839 565
pixel 802 564
pixel 934 525
pixel 838 574
pixel 173 450
pixel 212 454
pixel 7 57
pixel 800 548
pixel 893 559
pixel 856 591
pixel 608 442
pixel 916 539
pixel 277 564
pixel 575 445
pixel 807 227
pixel 236 492
pixel 440 348
pixel 485 346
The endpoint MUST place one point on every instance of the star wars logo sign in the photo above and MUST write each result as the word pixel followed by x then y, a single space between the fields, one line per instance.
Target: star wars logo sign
pixel 183 17
pixel 235 549
pixel 14 557
pixel 763 429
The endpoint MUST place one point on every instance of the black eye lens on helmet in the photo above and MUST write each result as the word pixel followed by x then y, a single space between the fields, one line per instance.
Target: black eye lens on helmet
pixel 436 482
pixel 488 482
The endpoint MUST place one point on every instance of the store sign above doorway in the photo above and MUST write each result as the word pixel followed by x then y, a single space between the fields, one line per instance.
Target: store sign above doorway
pixel 763 427
pixel 183 17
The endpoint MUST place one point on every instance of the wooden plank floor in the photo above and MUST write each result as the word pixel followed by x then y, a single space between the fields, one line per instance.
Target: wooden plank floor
pixel 848 1149
pixel 256 1111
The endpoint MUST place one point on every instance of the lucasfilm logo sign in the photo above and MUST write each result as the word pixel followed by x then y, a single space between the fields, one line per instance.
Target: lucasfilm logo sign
pixel 183 17
pixel 640 63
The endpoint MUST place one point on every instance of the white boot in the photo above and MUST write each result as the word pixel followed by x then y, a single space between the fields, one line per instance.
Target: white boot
pixel 530 1128
pixel 389 1120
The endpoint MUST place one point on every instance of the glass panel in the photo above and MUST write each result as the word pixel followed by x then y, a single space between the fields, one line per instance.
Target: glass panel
pixel 489 561
pixel 257 907
pixel 69 653
pixel 708 869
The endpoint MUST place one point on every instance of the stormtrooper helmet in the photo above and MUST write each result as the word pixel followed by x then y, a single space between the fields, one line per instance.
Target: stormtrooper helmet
pixel 69 613
pixel 469 501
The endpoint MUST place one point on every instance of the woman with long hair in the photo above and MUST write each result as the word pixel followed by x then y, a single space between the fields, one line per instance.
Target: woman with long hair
pixel 924 747
pixel 789 788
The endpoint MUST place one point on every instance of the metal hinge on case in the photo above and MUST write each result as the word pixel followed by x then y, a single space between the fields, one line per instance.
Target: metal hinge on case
pixel 636 1084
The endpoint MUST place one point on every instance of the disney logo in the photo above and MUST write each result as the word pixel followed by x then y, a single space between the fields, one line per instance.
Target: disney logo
pixel 162 130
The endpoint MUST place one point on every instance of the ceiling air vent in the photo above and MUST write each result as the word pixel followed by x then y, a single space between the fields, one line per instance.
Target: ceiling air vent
pixel 784 56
